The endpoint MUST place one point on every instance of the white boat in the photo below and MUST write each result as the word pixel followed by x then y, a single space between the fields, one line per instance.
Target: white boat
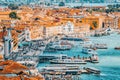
pixel 67 61
pixel 86 43
pixel 93 70
pixel 88 50
pixel 94 58
pixel 94 61
pixel 101 46
pixel 62 69
pixel 61 45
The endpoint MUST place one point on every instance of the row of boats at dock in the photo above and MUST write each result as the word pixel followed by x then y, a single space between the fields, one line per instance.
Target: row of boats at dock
pixel 78 60
pixel 60 45
pixel 61 65
pixel 67 45
pixel 88 46
pixel 62 69
pixel 67 66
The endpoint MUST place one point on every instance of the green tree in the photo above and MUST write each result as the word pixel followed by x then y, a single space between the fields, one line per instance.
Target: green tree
pixel 41 3
pixel 13 6
pixel 48 4
pixel 110 6
pixel 117 5
pixel 91 28
pixel 61 4
pixel 89 10
pixel 13 15
pixel 94 24
pixel 107 11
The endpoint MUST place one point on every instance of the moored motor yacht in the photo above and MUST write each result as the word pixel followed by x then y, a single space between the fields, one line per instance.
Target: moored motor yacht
pixel 61 69
pixel 101 46
pixel 94 58
pixel 117 48
pixel 67 61
pixel 93 70
pixel 60 45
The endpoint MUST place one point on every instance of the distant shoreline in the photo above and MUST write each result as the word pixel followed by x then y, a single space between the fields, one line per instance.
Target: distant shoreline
pixel 89 4
pixel 79 4
pixel 3 6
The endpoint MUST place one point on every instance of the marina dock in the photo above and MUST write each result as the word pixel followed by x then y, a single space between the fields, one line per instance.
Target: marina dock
pixel 64 70
pixel 47 57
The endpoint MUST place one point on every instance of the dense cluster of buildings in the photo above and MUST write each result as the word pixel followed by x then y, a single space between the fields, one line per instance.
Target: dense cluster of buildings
pixel 40 23
pixel 43 22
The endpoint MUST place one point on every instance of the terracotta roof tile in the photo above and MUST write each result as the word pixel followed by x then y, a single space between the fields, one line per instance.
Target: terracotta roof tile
pixel 12 67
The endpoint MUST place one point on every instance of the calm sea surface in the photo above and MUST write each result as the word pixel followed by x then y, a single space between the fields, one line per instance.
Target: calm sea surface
pixel 109 58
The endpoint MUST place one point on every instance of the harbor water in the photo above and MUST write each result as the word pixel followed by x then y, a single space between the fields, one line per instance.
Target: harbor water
pixel 109 59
